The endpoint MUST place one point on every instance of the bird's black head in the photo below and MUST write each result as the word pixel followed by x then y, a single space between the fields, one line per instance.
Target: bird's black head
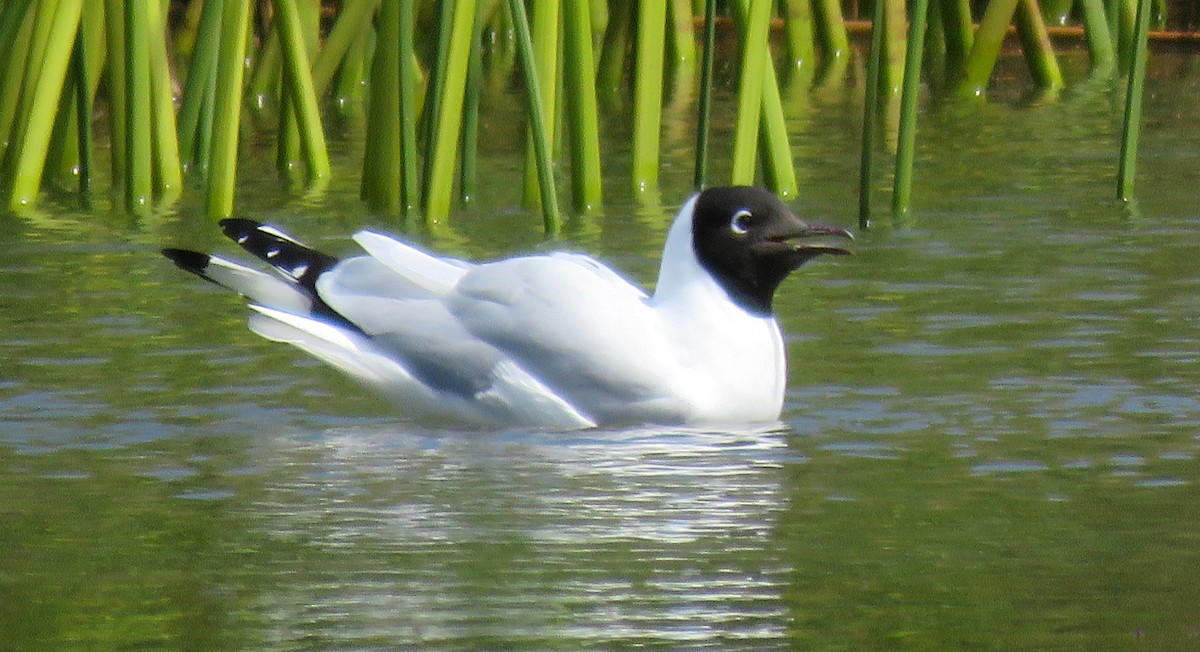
pixel 745 237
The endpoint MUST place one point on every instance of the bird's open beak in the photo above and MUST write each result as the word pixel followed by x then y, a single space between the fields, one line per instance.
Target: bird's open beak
pixel 807 250
pixel 823 230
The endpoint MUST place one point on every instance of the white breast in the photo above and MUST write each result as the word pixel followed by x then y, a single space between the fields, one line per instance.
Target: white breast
pixel 733 362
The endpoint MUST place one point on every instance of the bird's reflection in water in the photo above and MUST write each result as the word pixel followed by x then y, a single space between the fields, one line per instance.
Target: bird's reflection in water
pixel 595 536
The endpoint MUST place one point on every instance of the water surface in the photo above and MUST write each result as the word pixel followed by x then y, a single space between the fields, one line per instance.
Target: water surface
pixel 990 439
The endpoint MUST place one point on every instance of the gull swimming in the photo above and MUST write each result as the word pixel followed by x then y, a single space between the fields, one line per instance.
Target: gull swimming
pixel 556 341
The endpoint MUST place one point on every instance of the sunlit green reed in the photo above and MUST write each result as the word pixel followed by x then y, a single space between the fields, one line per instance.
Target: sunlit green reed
pixel 428 67
pixel 300 118
pixel 583 119
pixel 1133 104
pixel 870 107
pixel 227 103
pixel 760 109
pixel 647 91
pixel 538 118
pixel 700 171
pixel 906 138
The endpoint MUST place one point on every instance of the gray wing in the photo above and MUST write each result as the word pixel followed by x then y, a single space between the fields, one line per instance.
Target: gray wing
pixel 432 345
pixel 419 333
pixel 587 334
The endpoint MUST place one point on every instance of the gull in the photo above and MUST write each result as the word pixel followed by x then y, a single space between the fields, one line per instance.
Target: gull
pixel 555 341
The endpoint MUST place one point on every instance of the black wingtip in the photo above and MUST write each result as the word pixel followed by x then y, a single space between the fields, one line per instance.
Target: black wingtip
pixel 294 259
pixel 238 229
pixel 187 260
pixel 301 264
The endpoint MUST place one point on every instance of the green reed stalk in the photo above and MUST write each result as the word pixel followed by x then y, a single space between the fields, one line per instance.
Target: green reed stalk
pixel 92 29
pixel 63 147
pixel 222 172
pixel 985 49
pixel 41 22
pixel 611 69
pixel 1158 14
pixel 289 150
pixel 895 25
pixel 1126 29
pixel 1035 44
pixel 287 134
pixel 902 193
pixel 958 29
pixel 647 92
pixel 1099 39
pixel 831 29
pixel 18 64
pixel 196 107
pixel 265 76
pixel 470 139
pixel 353 21
pixel 1111 11
pixel 139 179
pixel 935 50
pixel 870 110
pixel 203 143
pixel 501 51
pixel 350 80
pixel 682 43
pixel 114 38
pixel 168 173
pixel 445 126
pixel 380 187
pixel 798 29
pixel 1057 12
pixel 63 151
pixel 706 81
pixel 756 21
pixel 12 17
pixel 409 108
pixel 90 47
pixel 545 50
pixel 599 14
pixel 437 78
pixel 584 118
pixel 15 31
pixel 778 173
pixel 550 216
pixel 83 111
pixel 1131 125
pixel 33 142
pixel 299 88
pixel 70 153
pixel 771 126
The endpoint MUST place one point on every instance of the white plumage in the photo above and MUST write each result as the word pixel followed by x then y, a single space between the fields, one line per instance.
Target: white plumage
pixel 554 341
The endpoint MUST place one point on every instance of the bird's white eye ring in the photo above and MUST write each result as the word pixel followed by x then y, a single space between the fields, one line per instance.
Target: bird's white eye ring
pixel 740 222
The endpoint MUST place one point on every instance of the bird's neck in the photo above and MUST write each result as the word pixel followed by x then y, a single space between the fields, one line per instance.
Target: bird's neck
pixel 686 289
pixel 686 285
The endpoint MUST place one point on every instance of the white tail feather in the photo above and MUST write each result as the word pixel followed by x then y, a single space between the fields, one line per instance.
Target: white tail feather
pixel 343 349
pixel 437 275
pixel 257 286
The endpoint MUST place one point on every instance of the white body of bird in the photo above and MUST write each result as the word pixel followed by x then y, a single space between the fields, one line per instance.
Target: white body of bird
pixel 552 341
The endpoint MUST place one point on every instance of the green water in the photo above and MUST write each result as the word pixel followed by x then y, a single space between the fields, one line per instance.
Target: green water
pixel 991 438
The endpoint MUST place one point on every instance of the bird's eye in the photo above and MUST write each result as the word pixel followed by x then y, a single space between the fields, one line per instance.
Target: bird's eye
pixel 741 222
